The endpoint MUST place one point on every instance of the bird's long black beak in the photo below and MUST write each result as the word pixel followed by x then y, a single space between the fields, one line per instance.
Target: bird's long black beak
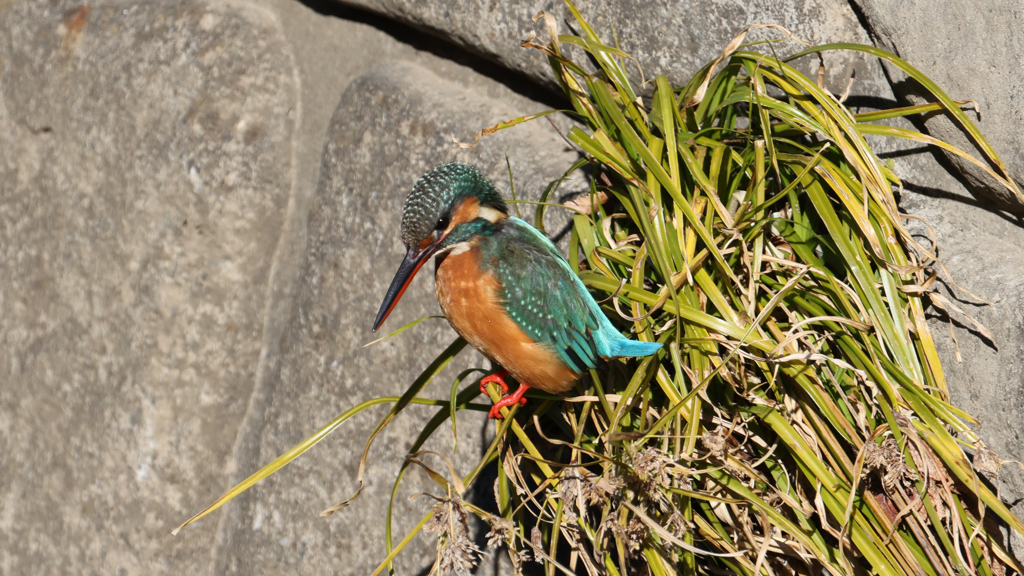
pixel 414 260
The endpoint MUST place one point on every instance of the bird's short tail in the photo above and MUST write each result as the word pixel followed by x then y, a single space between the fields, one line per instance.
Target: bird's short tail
pixel 623 347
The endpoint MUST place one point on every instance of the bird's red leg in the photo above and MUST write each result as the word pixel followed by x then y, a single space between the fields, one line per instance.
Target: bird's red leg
pixel 496 378
pixel 499 379
pixel 511 400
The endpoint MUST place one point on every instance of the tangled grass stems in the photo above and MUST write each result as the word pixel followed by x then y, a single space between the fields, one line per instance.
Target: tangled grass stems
pixel 798 417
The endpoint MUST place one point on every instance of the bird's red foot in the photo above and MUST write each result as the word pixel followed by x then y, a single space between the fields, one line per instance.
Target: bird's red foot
pixel 510 400
pixel 499 379
pixel 496 378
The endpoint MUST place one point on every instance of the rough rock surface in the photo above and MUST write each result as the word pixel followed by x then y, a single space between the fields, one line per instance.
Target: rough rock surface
pixel 673 37
pixel 973 53
pixel 165 329
pixel 984 251
pixel 391 126
pixel 144 166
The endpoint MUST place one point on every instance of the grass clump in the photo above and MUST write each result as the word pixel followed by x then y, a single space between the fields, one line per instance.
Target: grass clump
pixel 797 418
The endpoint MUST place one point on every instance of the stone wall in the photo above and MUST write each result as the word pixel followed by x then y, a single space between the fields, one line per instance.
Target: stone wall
pixel 198 210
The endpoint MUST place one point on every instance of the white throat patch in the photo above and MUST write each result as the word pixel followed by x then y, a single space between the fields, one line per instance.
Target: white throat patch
pixel 454 249
pixel 490 214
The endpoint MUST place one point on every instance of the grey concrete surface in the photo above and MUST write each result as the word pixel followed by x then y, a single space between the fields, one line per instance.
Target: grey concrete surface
pixel 670 37
pixel 982 246
pixel 973 51
pixel 392 125
pixel 152 236
pixel 970 51
pixel 199 204
pixel 145 168
pixel 984 251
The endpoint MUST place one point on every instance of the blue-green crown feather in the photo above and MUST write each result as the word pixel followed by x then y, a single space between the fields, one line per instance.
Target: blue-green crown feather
pixel 437 192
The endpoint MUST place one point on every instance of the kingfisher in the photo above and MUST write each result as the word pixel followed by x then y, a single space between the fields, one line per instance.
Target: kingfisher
pixel 503 286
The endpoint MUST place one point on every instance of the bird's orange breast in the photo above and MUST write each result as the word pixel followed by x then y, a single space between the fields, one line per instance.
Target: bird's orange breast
pixel 471 301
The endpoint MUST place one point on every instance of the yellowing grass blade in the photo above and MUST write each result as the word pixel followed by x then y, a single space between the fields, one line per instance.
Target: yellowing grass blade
pixel 297 450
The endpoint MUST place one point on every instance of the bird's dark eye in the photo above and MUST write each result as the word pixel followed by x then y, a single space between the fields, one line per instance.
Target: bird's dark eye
pixel 442 223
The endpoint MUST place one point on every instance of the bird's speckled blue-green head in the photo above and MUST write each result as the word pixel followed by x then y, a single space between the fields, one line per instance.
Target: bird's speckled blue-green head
pixel 447 208
pixel 438 194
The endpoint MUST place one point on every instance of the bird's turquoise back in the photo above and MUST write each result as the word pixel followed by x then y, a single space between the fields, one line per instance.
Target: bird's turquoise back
pixel 546 299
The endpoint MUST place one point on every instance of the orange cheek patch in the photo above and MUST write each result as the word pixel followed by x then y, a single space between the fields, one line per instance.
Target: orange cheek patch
pixel 426 242
pixel 466 211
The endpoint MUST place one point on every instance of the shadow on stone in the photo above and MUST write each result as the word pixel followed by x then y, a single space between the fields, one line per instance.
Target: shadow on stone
pixel 938 193
pixel 441 46
pixel 993 195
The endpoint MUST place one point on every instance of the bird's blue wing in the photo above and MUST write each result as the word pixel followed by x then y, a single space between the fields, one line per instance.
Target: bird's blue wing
pixel 546 299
